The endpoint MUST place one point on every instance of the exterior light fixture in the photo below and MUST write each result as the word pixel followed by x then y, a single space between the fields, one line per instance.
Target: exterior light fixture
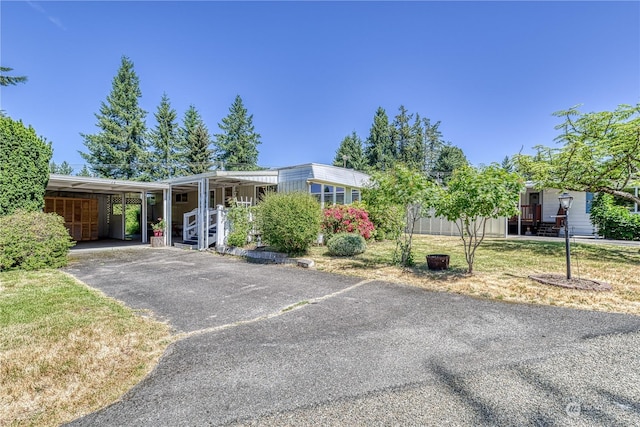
pixel 565 202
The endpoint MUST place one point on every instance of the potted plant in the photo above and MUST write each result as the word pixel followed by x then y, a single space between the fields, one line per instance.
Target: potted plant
pixel 158 227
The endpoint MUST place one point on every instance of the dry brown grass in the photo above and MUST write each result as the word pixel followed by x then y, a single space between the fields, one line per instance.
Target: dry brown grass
pixel 502 268
pixel 67 350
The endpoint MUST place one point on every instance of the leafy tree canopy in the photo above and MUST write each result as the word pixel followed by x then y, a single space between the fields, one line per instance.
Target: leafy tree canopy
pixel 472 197
pixel 600 152
pixel 24 167
pixel 411 192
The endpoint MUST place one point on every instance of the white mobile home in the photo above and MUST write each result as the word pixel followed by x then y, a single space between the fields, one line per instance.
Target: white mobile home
pixel 96 208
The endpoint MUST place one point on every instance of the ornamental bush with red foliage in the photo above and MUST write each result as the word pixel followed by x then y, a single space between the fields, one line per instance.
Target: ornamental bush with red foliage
pixel 346 219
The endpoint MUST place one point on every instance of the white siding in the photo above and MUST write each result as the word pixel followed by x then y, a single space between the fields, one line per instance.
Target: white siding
pixel 579 221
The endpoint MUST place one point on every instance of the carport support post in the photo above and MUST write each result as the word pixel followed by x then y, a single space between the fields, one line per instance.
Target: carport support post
pixel 124 216
pixel 220 231
pixel 166 207
pixel 143 217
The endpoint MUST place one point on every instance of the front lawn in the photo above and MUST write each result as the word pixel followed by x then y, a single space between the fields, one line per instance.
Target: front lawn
pixel 501 270
pixel 67 350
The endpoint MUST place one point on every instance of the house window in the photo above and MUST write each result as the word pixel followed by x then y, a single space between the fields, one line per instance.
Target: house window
pixel 181 198
pixel 212 198
pixel 339 196
pixel 355 195
pixel 589 202
pixel 316 191
pixel 328 196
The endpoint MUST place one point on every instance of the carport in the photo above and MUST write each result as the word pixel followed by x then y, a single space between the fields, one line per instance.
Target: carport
pixel 95 208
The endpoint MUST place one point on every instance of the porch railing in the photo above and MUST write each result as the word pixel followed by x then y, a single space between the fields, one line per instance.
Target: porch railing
pixel 191 224
pixel 529 214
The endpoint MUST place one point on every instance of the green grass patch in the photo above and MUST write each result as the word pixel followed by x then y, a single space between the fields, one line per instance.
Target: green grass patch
pixel 66 349
pixel 501 270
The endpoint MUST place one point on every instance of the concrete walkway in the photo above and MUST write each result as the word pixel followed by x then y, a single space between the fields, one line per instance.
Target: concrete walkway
pixel 274 345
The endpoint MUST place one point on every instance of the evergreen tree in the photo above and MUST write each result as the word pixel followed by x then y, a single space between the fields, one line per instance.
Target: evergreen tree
pixel 10 80
pixel 450 159
pixel 237 145
pixel 507 164
pixel 350 153
pixel 164 141
pixel 380 151
pixel 414 152
pixel 401 134
pixel 63 168
pixel 199 158
pixel 118 149
pixel 194 153
pixel 433 145
pixel 84 171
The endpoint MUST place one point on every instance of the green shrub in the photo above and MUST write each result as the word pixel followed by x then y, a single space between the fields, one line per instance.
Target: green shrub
pixel 33 240
pixel 24 167
pixel 132 219
pixel 290 221
pixel 241 218
pixel 346 219
pixel 613 221
pixel 346 244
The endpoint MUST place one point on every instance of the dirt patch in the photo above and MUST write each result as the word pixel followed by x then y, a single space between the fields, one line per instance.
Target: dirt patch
pixel 573 283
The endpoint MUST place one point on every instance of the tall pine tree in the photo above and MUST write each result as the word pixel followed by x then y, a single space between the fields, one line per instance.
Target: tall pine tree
pixel 237 145
pixel 118 150
pixel 350 153
pixel 401 134
pixel 380 151
pixel 414 152
pixel 164 142
pixel 433 145
pixel 196 154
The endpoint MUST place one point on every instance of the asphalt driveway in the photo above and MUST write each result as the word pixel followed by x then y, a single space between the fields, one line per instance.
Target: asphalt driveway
pixel 274 345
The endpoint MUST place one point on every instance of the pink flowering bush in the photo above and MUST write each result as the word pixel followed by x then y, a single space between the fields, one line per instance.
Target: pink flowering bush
pixel 346 219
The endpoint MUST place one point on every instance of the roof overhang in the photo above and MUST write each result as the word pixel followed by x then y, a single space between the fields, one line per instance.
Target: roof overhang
pixel 226 179
pixel 82 184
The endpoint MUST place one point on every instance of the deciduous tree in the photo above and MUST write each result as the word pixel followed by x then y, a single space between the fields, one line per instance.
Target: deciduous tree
pixel 600 152
pixel 475 195
pixel 408 190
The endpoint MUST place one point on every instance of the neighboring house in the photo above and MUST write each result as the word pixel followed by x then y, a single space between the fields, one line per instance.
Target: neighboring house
pixel 540 213
pixel 93 207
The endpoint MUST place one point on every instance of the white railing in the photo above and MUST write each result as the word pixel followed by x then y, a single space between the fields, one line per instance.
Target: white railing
pixel 190 224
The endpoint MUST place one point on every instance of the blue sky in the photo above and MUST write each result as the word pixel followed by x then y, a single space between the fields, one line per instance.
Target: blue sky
pixel 313 72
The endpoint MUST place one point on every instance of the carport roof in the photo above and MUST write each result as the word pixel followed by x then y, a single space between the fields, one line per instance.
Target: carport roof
pixel 230 177
pixel 101 185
